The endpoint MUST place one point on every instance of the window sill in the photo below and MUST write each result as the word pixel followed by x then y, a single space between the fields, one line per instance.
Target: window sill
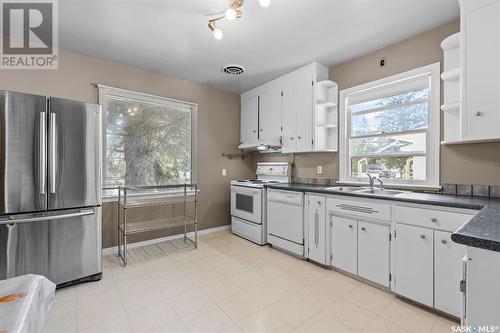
pixel 112 195
pixel 408 187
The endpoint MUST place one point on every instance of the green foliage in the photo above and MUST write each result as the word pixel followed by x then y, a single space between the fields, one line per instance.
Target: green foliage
pixel 147 144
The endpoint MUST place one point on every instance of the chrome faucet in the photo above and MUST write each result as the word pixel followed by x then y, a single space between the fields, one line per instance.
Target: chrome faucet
pixel 371 180
pixel 381 184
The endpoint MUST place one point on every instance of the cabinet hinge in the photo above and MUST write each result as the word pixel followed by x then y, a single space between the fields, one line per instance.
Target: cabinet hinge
pixel 390 237
pixel 394 233
pixel 308 250
pixel 281 94
pixel 312 83
pixel 331 257
pixel 331 223
pixel 390 277
pixel 312 142
pixel 463 286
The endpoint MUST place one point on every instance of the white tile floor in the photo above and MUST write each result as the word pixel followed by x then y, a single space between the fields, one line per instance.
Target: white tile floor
pixel 232 285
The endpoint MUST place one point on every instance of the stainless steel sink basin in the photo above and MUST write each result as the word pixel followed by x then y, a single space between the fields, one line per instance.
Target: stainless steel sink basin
pixel 377 191
pixel 344 189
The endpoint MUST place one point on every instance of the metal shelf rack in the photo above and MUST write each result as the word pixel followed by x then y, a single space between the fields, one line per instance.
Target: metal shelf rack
pixel 185 194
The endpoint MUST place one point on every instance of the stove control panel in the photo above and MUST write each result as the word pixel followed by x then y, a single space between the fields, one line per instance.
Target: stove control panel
pixel 273 169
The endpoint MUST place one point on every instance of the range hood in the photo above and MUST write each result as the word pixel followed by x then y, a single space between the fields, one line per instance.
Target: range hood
pixel 262 145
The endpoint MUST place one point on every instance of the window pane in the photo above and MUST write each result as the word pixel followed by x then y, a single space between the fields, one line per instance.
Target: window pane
pixel 147 144
pixel 391 120
pixel 390 144
pixel 400 168
pixel 391 100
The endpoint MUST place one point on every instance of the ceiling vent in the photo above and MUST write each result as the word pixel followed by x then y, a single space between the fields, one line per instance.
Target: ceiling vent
pixel 233 69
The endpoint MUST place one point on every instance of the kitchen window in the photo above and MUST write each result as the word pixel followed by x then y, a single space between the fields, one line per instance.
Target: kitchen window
pixel 147 140
pixel 390 129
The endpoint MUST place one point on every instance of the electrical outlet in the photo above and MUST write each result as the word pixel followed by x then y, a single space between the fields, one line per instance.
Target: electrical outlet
pixel 224 172
pixel 320 170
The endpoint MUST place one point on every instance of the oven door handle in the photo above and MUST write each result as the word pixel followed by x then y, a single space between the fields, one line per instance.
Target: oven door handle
pixel 247 190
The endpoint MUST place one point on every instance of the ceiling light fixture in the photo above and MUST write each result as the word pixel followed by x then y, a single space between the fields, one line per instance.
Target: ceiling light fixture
pixel 218 34
pixel 233 12
pixel 264 3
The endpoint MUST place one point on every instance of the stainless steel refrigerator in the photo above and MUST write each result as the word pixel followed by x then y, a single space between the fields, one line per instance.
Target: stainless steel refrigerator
pixel 50 188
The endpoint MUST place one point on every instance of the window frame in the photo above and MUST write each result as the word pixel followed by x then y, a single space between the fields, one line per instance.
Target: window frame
pixel 105 91
pixel 433 128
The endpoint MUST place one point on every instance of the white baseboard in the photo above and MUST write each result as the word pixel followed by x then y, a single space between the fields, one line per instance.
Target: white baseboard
pixel 114 249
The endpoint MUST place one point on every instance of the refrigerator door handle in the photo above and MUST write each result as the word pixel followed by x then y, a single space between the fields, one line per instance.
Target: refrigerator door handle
pixel 12 220
pixel 52 133
pixel 43 152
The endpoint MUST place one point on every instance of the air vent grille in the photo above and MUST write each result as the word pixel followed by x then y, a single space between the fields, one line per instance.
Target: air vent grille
pixel 233 69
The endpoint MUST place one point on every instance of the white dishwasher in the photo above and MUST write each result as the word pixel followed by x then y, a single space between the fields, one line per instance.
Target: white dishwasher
pixel 285 220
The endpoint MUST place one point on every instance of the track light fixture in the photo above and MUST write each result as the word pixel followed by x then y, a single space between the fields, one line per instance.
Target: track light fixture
pixel 233 12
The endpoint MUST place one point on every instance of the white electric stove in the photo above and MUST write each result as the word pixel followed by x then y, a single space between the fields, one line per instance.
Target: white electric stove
pixel 248 200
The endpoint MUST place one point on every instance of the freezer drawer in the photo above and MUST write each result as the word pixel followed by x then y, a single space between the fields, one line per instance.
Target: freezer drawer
pixel 74 154
pixel 63 246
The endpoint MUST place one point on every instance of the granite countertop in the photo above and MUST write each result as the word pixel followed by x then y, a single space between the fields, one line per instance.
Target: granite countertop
pixel 482 231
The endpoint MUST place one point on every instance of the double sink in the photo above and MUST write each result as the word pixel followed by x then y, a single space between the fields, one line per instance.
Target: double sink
pixel 364 190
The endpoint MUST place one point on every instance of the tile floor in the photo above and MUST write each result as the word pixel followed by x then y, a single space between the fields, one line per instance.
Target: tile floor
pixel 232 285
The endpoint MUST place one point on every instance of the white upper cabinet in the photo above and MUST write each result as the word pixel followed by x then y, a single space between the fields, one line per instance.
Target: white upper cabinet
pixel 480 61
pixel 249 119
pixel 288 110
pixel 289 114
pixel 270 113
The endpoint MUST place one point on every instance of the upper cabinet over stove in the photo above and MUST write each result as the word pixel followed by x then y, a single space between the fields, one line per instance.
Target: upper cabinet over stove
pixel 298 111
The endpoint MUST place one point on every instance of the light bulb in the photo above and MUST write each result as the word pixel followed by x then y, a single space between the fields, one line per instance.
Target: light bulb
pixel 218 33
pixel 264 3
pixel 231 14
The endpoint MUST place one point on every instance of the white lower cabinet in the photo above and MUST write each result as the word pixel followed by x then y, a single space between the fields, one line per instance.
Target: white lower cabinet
pixel 447 273
pixel 316 224
pixel 373 252
pixel 414 263
pixel 344 244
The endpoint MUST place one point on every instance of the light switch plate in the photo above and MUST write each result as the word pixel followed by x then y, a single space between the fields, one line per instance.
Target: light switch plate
pixel 320 170
pixel 224 172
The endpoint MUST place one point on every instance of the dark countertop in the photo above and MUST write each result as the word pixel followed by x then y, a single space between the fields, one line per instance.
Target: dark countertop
pixel 482 231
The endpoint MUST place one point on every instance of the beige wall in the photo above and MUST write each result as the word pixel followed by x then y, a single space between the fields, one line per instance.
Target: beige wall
pixel 218 121
pixel 461 164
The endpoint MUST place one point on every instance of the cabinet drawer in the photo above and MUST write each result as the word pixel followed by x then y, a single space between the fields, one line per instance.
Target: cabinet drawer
pixel 429 218
pixel 360 208
pixel 288 197
pixel 246 229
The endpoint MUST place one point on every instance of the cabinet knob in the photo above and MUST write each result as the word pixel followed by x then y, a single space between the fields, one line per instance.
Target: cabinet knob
pixel 444 241
pixel 254 131
pixel 422 236
pixel 319 203
pixel 350 226
pixel 363 228
pixel 291 138
pixel 261 129
pixel 479 113
pixel 434 220
pixel 299 137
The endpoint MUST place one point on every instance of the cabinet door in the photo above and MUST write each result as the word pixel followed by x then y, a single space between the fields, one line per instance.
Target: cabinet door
pixel 317 229
pixel 289 115
pixel 448 257
pixel 344 244
pixel 373 252
pixel 270 114
pixel 249 121
pixel 481 28
pixel 414 263
pixel 305 110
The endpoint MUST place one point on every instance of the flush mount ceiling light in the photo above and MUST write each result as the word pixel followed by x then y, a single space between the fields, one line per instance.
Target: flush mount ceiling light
pixel 233 12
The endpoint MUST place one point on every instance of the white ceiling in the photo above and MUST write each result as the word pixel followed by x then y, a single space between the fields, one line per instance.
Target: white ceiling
pixel 171 36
